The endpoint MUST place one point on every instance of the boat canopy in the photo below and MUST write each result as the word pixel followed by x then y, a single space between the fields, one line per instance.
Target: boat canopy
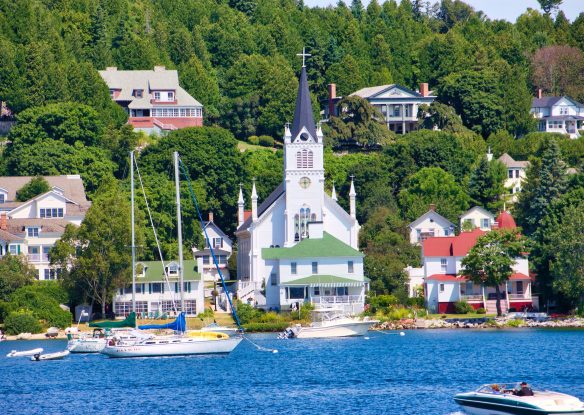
pixel 130 321
pixel 180 324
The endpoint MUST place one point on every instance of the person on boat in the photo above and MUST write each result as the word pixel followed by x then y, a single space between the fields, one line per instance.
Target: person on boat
pixel 525 390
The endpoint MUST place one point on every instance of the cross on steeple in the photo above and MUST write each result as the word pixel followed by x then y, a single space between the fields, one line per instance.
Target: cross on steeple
pixel 304 56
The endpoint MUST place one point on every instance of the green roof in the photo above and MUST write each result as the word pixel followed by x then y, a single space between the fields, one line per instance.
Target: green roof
pixel 154 272
pixel 326 247
pixel 325 280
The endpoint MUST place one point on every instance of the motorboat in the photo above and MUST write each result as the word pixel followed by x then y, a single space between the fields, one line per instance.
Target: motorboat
pixel 502 399
pixel 176 345
pixel 50 356
pixel 31 352
pixel 330 323
pixel 94 343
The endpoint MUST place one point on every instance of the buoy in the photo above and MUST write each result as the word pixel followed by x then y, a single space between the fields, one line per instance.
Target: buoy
pixel 401 333
pixel 275 351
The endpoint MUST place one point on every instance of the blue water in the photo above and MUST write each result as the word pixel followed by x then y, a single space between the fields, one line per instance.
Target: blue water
pixel 385 374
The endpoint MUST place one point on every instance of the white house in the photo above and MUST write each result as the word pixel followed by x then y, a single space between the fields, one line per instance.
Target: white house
pixel 155 296
pixel 558 114
pixel 299 244
pixel 398 104
pixel 222 248
pixel 444 285
pixel 477 217
pixel 516 175
pixel 154 100
pixel 32 227
pixel 428 225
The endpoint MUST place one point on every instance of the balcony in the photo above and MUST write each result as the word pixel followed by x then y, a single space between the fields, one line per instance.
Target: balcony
pixel 38 257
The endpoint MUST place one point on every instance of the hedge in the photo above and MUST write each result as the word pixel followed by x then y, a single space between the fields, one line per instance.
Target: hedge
pixel 22 321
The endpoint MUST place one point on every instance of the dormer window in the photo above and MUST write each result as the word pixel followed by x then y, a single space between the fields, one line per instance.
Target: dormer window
pixel 172 269
pixel 32 232
pixel 48 213
pixel 138 93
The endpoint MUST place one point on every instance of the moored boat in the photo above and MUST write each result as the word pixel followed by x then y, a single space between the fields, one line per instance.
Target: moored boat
pixel 330 323
pixel 50 356
pixel 503 399
pixel 31 352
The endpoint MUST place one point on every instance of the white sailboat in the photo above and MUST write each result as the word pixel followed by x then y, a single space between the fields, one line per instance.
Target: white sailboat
pixel 181 343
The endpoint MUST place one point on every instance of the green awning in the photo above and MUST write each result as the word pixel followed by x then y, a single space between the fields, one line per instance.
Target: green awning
pixel 130 321
pixel 324 281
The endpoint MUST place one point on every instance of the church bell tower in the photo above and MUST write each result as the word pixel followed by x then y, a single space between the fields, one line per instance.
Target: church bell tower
pixel 303 167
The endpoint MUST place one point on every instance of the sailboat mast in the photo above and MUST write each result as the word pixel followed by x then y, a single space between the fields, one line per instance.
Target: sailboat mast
pixel 179 232
pixel 133 232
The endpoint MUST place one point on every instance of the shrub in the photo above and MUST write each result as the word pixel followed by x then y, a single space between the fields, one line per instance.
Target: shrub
pixel 254 139
pixel 399 313
pixel 305 310
pixel 22 322
pixel 514 323
pixel 266 141
pixel 207 313
pixel 247 313
pixel 481 311
pixel 462 307
pixel 382 302
pixel 266 327
pixel 43 306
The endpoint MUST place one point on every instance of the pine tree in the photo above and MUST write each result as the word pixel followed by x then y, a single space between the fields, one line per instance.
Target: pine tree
pixel 486 185
pixel 357 9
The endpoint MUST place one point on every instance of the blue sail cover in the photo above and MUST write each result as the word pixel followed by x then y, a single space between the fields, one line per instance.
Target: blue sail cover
pixel 180 324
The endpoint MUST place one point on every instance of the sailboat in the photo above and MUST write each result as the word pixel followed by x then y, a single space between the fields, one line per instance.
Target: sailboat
pixel 180 343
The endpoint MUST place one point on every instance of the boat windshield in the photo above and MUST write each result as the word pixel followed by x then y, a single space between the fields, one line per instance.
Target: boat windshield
pixel 504 387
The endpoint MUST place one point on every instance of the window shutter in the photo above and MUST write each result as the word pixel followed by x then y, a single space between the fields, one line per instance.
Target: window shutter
pixel 149 288
pixel 18 248
pixel 221 242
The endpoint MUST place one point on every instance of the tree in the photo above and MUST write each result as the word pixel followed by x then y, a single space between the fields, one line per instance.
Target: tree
pixel 36 186
pixel 440 116
pixel 559 70
pixel 490 261
pixel 15 272
pixel 359 124
pixel 432 185
pixel 567 268
pixel 486 186
pixel 96 257
pixel 549 5
pixel 546 182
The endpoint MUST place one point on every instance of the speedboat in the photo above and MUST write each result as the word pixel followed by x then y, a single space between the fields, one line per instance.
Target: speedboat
pixel 50 356
pixel 500 399
pixel 330 323
pixel 31 352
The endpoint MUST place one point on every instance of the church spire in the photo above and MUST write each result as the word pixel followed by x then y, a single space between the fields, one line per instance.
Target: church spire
pixel 334 192
pixel 240 204
pixel 303 117
pixel 352 200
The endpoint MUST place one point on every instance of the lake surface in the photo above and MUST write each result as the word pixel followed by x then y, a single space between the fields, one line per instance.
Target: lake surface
pixel 385 374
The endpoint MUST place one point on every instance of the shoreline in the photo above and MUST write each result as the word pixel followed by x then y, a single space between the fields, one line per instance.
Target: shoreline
pixel 478 323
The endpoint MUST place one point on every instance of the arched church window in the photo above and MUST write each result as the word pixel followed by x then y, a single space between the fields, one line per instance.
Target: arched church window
pixel 313 217
pixel 304 159
pixel 296 227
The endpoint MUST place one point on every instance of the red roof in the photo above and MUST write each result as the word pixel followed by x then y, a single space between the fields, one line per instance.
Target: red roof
pixel 519 276
pixel 452 245
pixel 446 277
pixel 505 221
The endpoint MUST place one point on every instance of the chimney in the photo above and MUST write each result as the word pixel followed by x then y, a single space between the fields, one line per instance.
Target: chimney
pixel 3 221
pixel 111 68
pixel 210 216
pixel 432 207
pixel 332 91
pixel 424 90
pixel 539 93
pixel 159 68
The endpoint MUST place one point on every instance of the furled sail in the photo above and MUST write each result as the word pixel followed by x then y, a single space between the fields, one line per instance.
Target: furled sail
pixel 180 324
pixel 130 321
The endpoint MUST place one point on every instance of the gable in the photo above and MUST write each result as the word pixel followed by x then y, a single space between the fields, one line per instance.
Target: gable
pixel 396 92
pixel 433 217
pixel 565 101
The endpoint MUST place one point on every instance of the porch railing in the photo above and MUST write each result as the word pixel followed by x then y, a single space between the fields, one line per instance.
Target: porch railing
pixel 523 296
pixel 472 297
pixel 336 299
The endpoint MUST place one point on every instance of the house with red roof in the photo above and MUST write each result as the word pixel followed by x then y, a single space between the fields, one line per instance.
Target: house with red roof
pixel 445 284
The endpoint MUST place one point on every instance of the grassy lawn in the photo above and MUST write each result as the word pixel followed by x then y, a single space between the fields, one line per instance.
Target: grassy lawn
pixel 244 146
pixel 469 315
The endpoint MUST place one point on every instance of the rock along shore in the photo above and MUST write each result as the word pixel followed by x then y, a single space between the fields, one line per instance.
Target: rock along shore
pixel 477 323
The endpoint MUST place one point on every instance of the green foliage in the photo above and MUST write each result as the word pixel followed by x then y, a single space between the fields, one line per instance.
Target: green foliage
pixel 481 310
pixel 246 313
pixel 15 272
pixel 37 185
pixel 265 141
pixel 486 186
pixel 462 307
pixel 206 314
pixel 254 140
pixel 21 322
pixel 42 305
pixel 275 326
pixel 305 310
pixel 381 302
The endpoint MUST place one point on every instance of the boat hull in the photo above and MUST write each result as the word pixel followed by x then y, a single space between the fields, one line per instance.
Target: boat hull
pixel 32 352
pixel 502 406
pixel 50 356
pixel 182 348
pixel 358 328
pixel 86 345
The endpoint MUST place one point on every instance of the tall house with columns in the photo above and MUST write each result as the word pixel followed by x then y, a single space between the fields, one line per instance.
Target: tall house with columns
pixel 299 245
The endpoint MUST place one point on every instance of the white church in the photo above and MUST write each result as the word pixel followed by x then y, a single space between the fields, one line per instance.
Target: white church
pixel 299 245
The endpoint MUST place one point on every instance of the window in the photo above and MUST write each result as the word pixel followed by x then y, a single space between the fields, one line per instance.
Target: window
pixel 2 197
pixel 172 269
pixel 486 223
pixel 316 291
pixel 563 110
pixel 304 159
pixel 443 264
pixel 206 259
pixel 315 267
pixel 516 174
pixel 519 287
pixel 441 288
pixel 14 249
pixel 157 96
pixel 217 242
pixel 274 278
pixel 341 291
pixel 469 288
pixel 350 267
pixel 171 96
pixel 156 287
pixel 51 274
pixel 138 93
pixel 419 235
pixel 446 231
pixel 510 172
pixel 293 268
pixel 32 232
pixel 396 110
pixel 296 293
pixel 222 259
pixel 51 213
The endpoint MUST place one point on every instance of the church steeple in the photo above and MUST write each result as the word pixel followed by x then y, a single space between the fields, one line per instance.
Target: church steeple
pixel 303 116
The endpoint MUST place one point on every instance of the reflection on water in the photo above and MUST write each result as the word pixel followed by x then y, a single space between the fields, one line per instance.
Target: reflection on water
pixel 415 374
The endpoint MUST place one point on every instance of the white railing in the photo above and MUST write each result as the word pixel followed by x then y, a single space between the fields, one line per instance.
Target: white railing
pixel 34 257
pixel 473 297
pixel 519 296
pixel 337 299
pixel 245 288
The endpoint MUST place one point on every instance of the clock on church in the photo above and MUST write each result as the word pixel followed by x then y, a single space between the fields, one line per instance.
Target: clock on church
pixel 304 182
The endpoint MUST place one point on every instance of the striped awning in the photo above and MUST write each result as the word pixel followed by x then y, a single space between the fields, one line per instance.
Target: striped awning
pixel 326 281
